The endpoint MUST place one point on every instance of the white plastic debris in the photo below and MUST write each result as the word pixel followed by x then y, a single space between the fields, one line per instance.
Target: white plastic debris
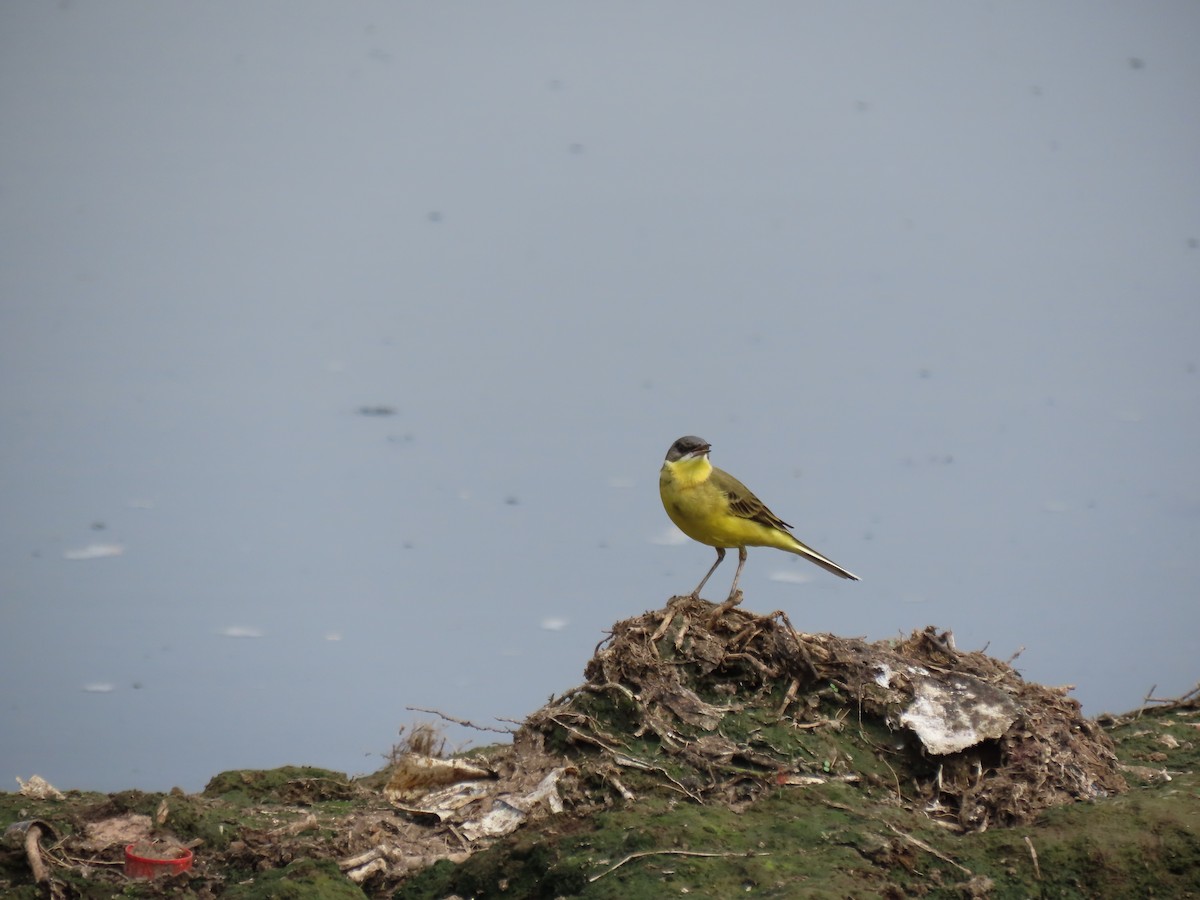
pixel 952 712
pixel 38 788
pixel 883 674
pixel 507 813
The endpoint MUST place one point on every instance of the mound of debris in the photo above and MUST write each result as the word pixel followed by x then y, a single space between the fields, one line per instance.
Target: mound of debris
pixel 723 703
pixel 714 705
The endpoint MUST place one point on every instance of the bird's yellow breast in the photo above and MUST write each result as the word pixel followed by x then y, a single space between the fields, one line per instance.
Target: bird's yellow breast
pixel 701 510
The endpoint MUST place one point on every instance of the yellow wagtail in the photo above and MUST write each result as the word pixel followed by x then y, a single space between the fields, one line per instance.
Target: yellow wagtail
pixel 714 508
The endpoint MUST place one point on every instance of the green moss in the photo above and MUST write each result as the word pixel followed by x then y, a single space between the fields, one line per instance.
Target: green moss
pixel 287 784
pixel 304 879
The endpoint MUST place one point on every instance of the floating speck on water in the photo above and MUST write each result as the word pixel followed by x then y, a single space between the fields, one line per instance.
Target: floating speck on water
pixel 553 623
pixel 671 537
pixel 100 687
pixel 240 631
pixel 94 551
pixel 789 577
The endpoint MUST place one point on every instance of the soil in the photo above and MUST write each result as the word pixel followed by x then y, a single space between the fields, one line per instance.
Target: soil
pixel 710 752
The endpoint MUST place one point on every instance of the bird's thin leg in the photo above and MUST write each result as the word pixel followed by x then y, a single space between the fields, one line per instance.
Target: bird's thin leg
pixel 736 575
pixel 735 596
pixel 695 595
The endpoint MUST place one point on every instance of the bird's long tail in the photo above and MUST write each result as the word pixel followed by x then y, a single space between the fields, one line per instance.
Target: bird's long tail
pixel 825 563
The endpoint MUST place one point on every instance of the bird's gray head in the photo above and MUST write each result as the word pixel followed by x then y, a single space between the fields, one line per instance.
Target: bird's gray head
pixel 690 446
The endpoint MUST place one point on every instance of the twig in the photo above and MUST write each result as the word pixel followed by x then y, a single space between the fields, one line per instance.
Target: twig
pixel 639 855
pixel 463 722
pixel 1018 652
pixel 788 697
pixel 609 686
pixel 1146 701
pixel 631 762
pixel 1037 870
pixel 1186 701
pixel 1173 701
pixel 662 627
pixel 917 842
pixel 800 648
pixel 458 834
pixel 583 735
pixel 362 859
pixel 621 789
pixel 297 827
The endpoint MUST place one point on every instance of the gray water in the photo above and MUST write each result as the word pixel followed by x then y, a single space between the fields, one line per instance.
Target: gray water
pixel 345 342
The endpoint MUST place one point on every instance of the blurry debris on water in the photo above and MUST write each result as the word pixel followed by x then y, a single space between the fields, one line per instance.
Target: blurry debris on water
pixel 240 631
pixel 100 687
pixel 670 537
pixel 788 577
pixel 553 623
pixel 380 410
pixel 94 551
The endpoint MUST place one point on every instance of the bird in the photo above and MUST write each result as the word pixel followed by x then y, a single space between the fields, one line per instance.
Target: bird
pixel 714 508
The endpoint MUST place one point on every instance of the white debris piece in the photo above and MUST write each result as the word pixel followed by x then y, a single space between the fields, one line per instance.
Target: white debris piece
pixel 883 674
pixel 38 788
pixel 952 712
pixel 507 813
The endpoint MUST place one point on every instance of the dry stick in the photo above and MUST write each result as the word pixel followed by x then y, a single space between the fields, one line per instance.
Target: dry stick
pixel 1037 870
pixel 618 755
pixel 639 855
pixel 788 698
pixel 663 626
pixel 362 859
pixel 1186 700
pixel 782 616
pixel 928 849
pixel 1146 699
pixel 1171 701
pixel 464 722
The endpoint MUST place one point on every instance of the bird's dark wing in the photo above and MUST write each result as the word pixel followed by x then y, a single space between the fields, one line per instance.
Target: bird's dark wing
pixel 743 503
